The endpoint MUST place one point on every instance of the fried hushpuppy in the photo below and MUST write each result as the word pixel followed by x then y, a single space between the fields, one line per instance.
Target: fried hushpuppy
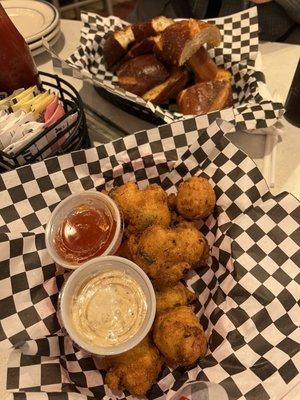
pixel 142 208
pixel 174 296
pixel 195 198
pixel 179 336
pixel 136 370
pixel 124 250
pixel 165 254
pixel 172 200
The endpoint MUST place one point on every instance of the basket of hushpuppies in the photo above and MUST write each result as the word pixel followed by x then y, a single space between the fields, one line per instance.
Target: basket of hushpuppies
pixel 245 282
pixel 165 69
pixel 161 236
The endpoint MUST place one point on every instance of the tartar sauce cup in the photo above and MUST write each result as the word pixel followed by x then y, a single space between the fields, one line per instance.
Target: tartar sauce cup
pixel 85 274
pixel 66 206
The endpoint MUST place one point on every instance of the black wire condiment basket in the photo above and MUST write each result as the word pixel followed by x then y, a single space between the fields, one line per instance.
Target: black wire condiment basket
pixel 50 143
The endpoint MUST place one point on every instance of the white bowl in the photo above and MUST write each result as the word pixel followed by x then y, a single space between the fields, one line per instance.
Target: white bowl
pixel 65 207
pixel 91 268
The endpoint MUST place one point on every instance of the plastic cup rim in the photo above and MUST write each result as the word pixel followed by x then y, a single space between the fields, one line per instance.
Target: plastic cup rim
pixel 59 260
pixel 132 342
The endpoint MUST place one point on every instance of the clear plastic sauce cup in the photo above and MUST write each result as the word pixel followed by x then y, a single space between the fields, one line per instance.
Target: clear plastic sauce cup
pixel 79 280
pixel 99 202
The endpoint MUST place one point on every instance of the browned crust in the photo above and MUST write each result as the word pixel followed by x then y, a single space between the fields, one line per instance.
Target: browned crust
pixel 168 89
pixel 221 99
pixel 229 101
pixel 175 37
pixel 157 47
pixel 138 49
pixel 205 97
pixel 215 38
pixel 203 66
pixel 156 25
pixel 118 41
pixel 185 36
pixel 143 30
pixel 141 74
pixel 112 50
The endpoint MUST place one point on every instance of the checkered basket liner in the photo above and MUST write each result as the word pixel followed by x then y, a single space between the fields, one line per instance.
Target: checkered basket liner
pixel 238 52
pixel 248 295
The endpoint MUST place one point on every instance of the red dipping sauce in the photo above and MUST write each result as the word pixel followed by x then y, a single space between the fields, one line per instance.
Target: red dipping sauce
pixel 85 233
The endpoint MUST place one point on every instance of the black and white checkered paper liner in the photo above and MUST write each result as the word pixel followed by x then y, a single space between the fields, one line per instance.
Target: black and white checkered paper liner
pixel 248 293
pixel 238 52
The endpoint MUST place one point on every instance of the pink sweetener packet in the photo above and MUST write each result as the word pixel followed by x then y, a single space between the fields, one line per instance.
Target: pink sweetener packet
pixel 58 113
pixel 50 109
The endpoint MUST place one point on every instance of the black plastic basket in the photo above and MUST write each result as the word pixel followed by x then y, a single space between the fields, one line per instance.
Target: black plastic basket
pixel 130 107
pixel 76 134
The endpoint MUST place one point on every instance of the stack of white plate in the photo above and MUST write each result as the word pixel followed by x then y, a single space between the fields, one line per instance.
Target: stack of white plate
pixel 34 19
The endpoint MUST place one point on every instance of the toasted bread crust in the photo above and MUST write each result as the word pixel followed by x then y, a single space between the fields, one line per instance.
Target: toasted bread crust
pixel 118 42
pixel 179 41
pixel 156 25
pixel 145 46
pixel 205 97
pixel 203 66
pixel 168 89
pixel 112 50
pixel 141 74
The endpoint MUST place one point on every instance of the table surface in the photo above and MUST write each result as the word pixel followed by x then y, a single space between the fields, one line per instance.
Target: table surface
pixel 279 63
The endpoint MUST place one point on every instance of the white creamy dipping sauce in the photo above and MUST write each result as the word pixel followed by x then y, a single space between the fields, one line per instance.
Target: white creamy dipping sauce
pixel 108 309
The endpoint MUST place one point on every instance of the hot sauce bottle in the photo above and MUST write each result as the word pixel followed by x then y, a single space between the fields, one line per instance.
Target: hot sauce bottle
pixel 17 68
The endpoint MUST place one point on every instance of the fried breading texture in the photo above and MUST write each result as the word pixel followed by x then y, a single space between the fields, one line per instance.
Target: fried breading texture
pixel 172 199
pixel 170 297
pixel 165 254
pixel 124 250
pixel 136 370
pixel 179 336
pixel 196 198
pixel 142 208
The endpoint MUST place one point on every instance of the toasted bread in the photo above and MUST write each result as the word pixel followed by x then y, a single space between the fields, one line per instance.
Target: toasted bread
pixel 119 41
pixel 169 89
pixel 181 40
pixel 141 74
pixel 205 97
pixel 203 66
